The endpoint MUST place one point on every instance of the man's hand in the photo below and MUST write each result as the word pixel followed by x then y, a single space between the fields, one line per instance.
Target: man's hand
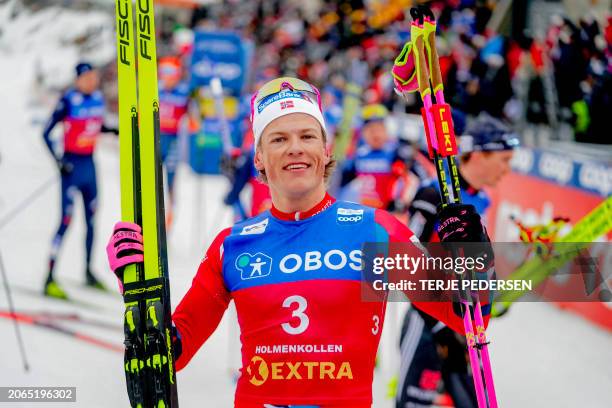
pixel 124 248
pixel 461 223
pixel 64 167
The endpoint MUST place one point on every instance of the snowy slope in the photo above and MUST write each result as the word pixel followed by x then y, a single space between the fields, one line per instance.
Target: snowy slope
pixel 542 357
pixel 54 39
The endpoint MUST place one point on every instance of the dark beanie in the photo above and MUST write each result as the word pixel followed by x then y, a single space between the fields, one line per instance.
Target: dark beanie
pixel 83 67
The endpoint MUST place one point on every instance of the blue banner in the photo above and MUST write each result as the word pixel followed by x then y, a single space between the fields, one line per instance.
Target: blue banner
pixel 206 147
pixel 222 54
pixel 592 175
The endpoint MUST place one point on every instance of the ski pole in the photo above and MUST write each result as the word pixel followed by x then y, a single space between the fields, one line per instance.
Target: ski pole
pixel 441 143
pixel 216 88
pixel 444 136
pixel 48 324
pixel 25 203
pixel 13 317
pixel 429 25
pixel 358 73
pixel 425 92
pixel 70 317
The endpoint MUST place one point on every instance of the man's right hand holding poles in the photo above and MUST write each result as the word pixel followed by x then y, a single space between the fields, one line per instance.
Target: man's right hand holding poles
pixel 417 69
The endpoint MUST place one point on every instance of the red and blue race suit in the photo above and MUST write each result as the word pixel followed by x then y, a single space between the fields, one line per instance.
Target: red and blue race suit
pixel 83 119
pixel 82 116
pixel 173 104
pixel 307 336
pixel 372 174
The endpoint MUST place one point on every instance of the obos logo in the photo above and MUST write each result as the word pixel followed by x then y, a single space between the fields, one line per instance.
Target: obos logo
pixel 333 259
pixel 253 266
pixel 349 216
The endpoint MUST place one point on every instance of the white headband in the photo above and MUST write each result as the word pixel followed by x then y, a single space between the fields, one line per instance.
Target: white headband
pixel 280 104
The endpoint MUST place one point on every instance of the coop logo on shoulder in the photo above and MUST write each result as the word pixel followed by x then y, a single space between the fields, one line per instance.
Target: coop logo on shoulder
pixel 258 228
pixel 349 216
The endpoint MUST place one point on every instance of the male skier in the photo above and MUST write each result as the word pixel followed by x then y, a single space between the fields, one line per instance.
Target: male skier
pixel 430 351
pixel 300 347
pixel 81 110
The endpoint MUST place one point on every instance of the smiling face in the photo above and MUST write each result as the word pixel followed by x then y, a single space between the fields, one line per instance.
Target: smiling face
pixel 293 155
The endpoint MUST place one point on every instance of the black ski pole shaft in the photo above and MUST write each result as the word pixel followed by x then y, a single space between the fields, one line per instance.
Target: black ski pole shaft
pixel 50 325
pixel 11 305
pixel 216 89
pixel 447 148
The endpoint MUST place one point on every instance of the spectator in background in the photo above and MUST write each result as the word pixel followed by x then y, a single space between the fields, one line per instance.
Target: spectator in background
pixel 376 165
pixel 489 87
pixel 81 111
pixel 477 64
pixel 174 97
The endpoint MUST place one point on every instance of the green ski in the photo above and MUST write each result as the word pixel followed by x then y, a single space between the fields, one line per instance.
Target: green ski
pixel 149 363
pixel 597 223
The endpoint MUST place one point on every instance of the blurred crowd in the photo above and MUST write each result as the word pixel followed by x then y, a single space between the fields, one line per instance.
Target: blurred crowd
pixel 562 78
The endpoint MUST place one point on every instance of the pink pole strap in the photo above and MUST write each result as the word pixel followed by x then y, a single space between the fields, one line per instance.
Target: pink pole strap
pixel 484 354
pixel 474 361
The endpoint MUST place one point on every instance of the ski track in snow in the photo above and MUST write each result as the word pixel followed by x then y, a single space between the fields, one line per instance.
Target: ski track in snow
pixel 541 356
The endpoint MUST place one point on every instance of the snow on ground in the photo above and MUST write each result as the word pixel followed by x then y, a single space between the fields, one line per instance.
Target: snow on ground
pixel 542 357
pixel 55 38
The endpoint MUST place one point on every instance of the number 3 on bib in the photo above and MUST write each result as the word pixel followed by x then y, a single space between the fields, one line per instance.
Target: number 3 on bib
pixel 376 321
pixel 297 312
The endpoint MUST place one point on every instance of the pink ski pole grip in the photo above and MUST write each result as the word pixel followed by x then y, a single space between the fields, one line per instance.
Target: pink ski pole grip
pixel 125 245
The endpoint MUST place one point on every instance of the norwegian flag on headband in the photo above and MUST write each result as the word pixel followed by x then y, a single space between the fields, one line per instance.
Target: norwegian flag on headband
pixel 286 104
